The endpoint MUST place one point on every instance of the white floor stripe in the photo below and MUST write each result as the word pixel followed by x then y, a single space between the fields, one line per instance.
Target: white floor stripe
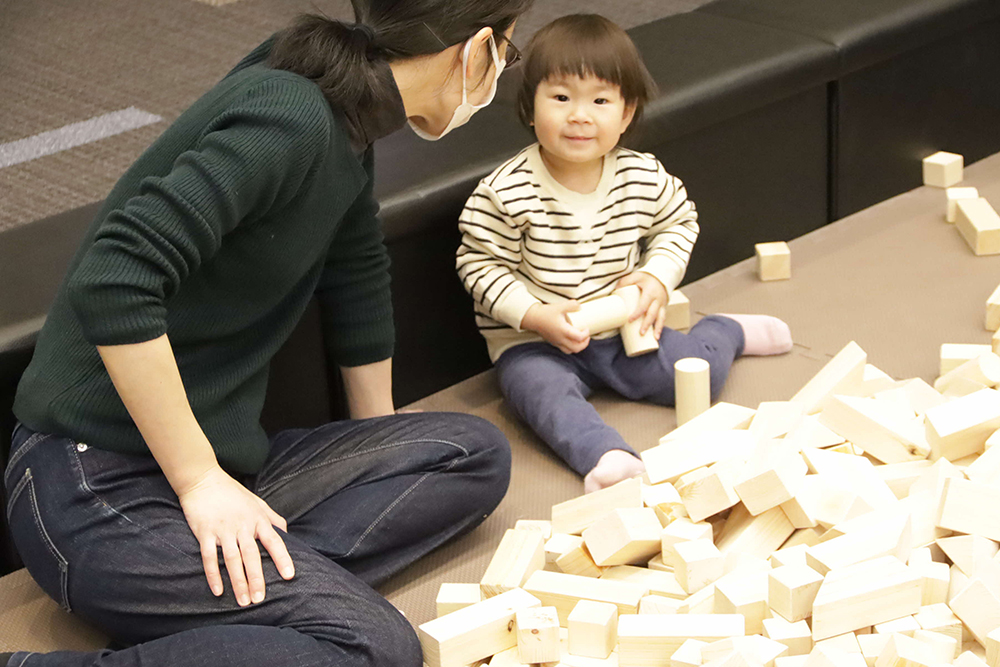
pixel 75 134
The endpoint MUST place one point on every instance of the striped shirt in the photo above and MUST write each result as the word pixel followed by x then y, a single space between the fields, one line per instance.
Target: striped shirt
pixel 527 239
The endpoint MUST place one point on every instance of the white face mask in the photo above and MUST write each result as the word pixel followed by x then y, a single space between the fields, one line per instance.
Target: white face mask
pixel 464 111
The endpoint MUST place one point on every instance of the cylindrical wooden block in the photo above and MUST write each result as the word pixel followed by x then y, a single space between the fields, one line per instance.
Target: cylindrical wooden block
pixel 600 315
pixel 692 394
pixel 634 342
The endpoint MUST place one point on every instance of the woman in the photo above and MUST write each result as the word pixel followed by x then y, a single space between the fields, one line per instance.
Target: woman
pixel 139 459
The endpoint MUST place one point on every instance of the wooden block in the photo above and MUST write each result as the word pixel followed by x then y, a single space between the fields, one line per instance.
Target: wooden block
pixel 757 535
pixel 942 648
pixel 902 651
pixel 593 629
pixel 953 195
pixel 969 552
pixel 899 477
pixel 537 634
pixel 556 546
pixel 520 553
pixel 875 380
pixel 995 342
pixel 906 625
pixel 968 507
pixel 475 632
pixel 682 530
pixel 635 343
pixel 864 594
pixel 820 502
pixel 982 369
pixel 940 618
pixel 839 376
pixel 702 602
pixel 960 427
pixel 657 583
pixel 663 496
pixel 541 525
pixel 745 595
pixel 954 355
pixel 809 432
pixel 957 582
pixel 993 310
pixel 757 649
pixel 624 536
pixel 871 646
pixel 854 472
pixel 452 597
pixel 669 460
pixel 707 491
pixel 659 604
pixel 794 555
pixel 656 563
pixel 791 591
pixel 720 417
pixel 960 387
pixel 888 537
pixel 932 479
pixel 692 395
pixel 600 315
pixel 921 396
pixel 773 475
pixel 993 648
pixel 979 609
pixel 577 560
pixel 774 261
pixel 563 591
pixel 934 580
pixel 699 563
pixel 651 639
pixel 867 425
pixel 969 659
pixel 979 225
pixel 678 312
pixel 796 636
pixel 689 654
pixel 573 516
pixel 845 643
pixel 943 169
pixel 775 419
pixel 791 661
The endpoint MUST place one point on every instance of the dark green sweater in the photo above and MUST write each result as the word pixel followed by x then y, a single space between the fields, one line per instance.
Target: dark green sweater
pixel 218 236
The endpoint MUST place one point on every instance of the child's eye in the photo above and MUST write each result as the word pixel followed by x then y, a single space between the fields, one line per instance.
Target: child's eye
pixel 601 100
pixel 562 98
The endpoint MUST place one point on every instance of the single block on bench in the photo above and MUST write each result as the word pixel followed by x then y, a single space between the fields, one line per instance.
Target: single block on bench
pixel 774 261
pixel 979 225
pixel 943 169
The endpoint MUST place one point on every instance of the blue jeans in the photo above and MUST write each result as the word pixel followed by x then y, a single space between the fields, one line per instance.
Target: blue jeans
pixel 548 389
pixel 103 534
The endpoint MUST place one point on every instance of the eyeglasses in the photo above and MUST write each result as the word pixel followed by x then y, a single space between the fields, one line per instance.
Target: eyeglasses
pixel 513 54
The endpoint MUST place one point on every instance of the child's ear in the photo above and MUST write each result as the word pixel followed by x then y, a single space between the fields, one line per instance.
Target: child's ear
pixel 628 116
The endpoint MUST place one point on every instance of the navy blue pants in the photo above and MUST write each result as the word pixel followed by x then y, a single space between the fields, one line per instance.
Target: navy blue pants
pixel 548 389
pixel 103 534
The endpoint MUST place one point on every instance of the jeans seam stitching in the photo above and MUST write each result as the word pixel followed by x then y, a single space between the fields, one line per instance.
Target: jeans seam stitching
pixel 49 544
pixel 32 440
pixel 350 456
pixel 16 493
pixel 25 658
pixel 398 500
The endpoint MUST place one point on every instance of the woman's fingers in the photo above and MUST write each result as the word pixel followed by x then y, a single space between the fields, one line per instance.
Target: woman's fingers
pixel 234 565
pixel 275 518
pixel 252 565
pixel 279 552
pixel 210 563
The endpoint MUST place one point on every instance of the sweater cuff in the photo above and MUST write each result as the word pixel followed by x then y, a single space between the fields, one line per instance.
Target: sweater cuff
pixel 513 307
pixel 664 270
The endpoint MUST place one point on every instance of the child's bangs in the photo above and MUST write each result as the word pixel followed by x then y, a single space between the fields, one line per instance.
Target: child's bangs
pixel 583 56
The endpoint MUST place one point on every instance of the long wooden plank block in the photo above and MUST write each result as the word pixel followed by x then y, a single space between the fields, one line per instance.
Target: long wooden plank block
pixel 720 417
pixel 667 462
pixel 563 591
pixel 840 375
pixel 650 640
pixel 755 535
pixel 574 515
pixel 520 553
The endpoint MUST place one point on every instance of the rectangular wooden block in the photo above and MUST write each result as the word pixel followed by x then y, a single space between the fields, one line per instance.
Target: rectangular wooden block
pixel 537 634
pixel 773 474
pixel 979 609
pixel 649 640
pixel 678 312
pixel 577 560
pixel 774 261
pixel 720 417
pixel 452 597
pixel 968 507
pixel 889 537
pixel 563 591
pixel 839 376
pixel 796 636
pixel 630 535
pixel 520 553
pixel 699 563
pixel 593 629
pixel 961 427
pixel 756 535
pixel 791 591
pixel 689 654
pixel 573 516
pixel 868 425
pixel 744 594
pixel 954 355
pixel 675 457
pixel 979 225
pixel 864 594
pixel 952 197
pixel 707 491
pixel 475 632
pixel 943 169
pixel 656 582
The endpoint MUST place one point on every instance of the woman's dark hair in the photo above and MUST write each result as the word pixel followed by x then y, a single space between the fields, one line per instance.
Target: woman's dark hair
pixel 343 58
pixel 585 45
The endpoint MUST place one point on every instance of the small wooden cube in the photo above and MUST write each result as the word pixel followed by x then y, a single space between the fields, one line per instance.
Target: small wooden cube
pixel 624 536
pixel 593 629
pixel 953 196
pixel 452 597
pixel 688 655
pixel 791 591
pixel 796 636
pixel 681 530
pixel 979 225
pixel 678 312
pixel 943 169
pixel 906 625
pixel 538 634
pixel 774 261
pixel 699 563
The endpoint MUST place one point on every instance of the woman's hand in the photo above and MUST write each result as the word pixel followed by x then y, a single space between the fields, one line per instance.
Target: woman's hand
pixel 222 512
pixel 653 299
pixel 549 321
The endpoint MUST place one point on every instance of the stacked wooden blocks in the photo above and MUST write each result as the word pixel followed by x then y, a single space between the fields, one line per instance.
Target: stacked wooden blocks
pixel 852 526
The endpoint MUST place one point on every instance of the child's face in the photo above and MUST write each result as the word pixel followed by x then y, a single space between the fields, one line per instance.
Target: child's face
pixel 579 119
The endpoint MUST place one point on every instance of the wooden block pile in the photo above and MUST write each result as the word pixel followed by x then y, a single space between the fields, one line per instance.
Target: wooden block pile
pixel 855 525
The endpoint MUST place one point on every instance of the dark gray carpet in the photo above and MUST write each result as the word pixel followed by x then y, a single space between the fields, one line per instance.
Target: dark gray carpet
pixel 65 61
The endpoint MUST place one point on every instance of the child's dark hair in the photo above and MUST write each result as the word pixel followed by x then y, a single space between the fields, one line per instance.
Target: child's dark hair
pixel 585 45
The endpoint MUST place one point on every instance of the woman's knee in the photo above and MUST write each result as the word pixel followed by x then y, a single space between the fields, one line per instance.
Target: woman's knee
pixel 488 459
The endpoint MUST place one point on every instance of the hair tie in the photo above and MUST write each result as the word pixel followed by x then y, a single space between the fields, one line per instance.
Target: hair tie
pixel 361 28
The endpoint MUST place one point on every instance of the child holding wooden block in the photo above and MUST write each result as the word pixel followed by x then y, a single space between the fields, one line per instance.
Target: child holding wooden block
pixel 570 219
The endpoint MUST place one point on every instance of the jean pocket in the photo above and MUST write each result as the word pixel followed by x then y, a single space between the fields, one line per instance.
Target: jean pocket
pixel 44 561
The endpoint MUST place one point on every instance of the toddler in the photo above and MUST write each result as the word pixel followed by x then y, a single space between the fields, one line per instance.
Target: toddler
pixel 572 218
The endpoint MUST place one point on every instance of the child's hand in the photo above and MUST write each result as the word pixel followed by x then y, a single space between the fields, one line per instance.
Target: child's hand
pixel 549 321
pixel 652 301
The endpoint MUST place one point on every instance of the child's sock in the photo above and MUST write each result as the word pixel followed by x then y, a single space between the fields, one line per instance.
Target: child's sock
pixel 764 334
pixel 613 467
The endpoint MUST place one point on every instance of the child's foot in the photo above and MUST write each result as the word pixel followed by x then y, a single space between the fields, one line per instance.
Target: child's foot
pixel 613 467
pixel 763 334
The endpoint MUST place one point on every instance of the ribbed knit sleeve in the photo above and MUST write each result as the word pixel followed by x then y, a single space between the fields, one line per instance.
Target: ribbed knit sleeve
pixel 671 236
pixel 354 290
pixel 253 156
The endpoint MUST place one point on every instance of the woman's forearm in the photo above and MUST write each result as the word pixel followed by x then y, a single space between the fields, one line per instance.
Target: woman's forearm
pixel 369 389
pixel 149 383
